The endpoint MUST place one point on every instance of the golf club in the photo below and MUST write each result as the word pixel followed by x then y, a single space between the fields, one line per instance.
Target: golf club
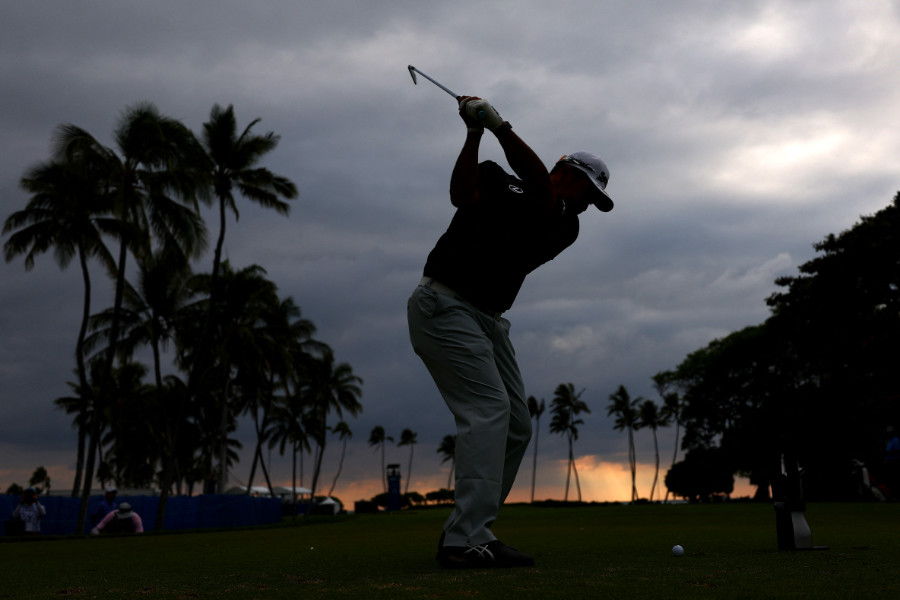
pixel 412 73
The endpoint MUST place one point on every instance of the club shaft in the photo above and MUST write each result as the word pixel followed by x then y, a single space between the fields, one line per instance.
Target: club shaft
pixel 440 85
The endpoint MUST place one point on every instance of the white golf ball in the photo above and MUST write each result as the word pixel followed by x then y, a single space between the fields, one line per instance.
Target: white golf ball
pixel 677 550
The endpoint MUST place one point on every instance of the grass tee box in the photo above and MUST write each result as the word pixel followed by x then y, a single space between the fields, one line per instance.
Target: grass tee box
pixel 581 552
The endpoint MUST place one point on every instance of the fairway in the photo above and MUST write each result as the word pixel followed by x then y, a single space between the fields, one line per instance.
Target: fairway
pixel 608 551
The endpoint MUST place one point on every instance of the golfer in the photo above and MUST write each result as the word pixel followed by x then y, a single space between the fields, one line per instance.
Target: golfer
pixel 504 228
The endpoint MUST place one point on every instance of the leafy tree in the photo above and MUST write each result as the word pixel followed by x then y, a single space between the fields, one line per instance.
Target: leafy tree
pixel 838 321
pixel 816 379
pixel 437 496
pixel 408 438
pixel 703 474
pixel 447 449
pixel 565 407
pixel 624 408
pixel 535 409
pixel 378 438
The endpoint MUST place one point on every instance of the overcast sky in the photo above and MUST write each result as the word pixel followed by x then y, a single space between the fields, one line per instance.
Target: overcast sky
pixel 737 135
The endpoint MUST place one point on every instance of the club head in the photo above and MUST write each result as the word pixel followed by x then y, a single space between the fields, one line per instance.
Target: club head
pixel 412 73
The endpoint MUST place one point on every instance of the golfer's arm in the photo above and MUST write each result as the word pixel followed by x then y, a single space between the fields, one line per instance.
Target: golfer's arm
pixel 464 180
pixel 524 161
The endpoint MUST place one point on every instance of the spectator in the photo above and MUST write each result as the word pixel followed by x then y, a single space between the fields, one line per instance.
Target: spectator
pixel 107 505
pixel 123 520
pixel 30 511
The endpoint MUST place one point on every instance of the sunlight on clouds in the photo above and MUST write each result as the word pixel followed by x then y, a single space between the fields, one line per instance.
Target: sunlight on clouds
pixel 575 339
pixel 740 282
pixel 789 160
pixel 690 287
pixel 771 36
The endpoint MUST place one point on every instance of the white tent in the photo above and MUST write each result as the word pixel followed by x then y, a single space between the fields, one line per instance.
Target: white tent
pixel 330 505
pixel 263 491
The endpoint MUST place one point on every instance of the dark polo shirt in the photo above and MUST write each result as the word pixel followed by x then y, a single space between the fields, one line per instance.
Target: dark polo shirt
pixel 491 245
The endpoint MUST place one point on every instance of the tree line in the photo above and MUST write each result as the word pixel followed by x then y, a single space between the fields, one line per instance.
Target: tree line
pixel 222 343
pixel 631 415
pixel 814 384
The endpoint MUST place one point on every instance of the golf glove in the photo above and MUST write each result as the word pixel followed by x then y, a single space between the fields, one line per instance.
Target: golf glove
pixel 482 111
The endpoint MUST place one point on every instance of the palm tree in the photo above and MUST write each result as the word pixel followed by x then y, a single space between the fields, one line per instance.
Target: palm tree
pixel 378 438
pixel 66 213
pixel 40 480
pixel 671 413
pixel 650 416
pixel 344 433
pixel 536 410
pixel 134 440
pixel 243 345
pixel 448 449
pixel 230 163
pixel 625 410
pixel 331 387
pixel 408 438
pixel 565 407
pixel 289 428
pixel 142 182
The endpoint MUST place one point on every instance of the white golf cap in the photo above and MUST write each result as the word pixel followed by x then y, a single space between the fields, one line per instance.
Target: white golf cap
pixel 594 167
pixel 124 511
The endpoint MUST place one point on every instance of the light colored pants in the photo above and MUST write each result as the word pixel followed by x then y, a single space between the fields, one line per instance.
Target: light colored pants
pixel 472 361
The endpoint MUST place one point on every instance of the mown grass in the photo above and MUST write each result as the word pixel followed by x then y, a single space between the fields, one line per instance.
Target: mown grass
pixel 581 552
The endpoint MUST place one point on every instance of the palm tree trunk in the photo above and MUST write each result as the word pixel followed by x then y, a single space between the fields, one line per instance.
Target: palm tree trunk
pixel 537 433
pixel 577 481
pixel 223 433
pixel 383 472
pixel 79 461
pixel 86 391
pixel 294 480
pixel 656 474
pixel 262 464
pixel 165 476
pixel 568 470
pixel 409 470
pixel 340 468
pixel 257 454
pixel 93 441
pixel 316 471
pixel 674 454
pixel 632 460
pixel 106 378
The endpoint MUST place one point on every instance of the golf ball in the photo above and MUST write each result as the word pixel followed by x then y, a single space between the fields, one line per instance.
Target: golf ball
pixel 677 550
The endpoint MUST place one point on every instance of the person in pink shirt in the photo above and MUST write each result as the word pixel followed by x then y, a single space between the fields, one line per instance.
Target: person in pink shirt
pixel 123 520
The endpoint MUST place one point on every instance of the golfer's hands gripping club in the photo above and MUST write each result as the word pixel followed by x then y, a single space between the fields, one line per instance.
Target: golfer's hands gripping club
pixel 479 111
pixel 473 125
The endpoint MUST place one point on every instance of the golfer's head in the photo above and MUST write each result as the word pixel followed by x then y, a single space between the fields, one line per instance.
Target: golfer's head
pixel 595 171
